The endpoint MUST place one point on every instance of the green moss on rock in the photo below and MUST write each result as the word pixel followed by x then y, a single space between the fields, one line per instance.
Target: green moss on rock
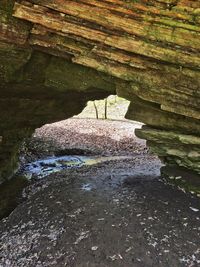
pixel 12 59
pixel 7 5
pixel 64 75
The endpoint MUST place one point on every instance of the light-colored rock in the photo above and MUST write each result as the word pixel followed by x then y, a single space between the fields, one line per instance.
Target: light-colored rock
pixel 173 147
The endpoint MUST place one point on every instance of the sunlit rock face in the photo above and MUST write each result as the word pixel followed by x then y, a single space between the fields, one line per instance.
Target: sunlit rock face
pixel 55 55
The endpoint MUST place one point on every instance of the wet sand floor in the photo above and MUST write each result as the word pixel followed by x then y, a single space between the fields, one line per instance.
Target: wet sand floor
pixel 116 213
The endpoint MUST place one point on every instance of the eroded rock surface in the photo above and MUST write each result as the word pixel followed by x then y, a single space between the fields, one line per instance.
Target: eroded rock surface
pixel 112 214
pixel 147 51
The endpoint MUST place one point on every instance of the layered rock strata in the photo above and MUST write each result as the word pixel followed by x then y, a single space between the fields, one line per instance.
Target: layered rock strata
pixel 148 51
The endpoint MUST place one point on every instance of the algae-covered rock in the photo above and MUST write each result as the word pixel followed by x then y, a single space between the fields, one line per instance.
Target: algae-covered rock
pixel 173 147
pixel 14 52
pixel 64 75
pixel 7 5
pixel 12 60
pixel 151 114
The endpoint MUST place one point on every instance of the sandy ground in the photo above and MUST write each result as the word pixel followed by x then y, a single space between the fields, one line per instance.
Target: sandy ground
pixel 118 213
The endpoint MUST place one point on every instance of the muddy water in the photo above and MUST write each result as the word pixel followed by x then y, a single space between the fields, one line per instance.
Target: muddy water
pixel 114 213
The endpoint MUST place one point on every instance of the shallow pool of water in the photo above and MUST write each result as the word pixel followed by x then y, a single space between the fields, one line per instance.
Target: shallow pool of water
pixel 44 167
pixel 11 191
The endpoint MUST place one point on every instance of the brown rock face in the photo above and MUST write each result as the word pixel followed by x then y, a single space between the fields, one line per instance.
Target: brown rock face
pixel 149 51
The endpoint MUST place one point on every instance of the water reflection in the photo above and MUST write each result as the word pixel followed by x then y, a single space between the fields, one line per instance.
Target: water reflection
pixel 41 168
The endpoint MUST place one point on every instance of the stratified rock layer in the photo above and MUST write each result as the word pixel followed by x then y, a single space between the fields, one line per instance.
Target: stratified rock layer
pixel 148 51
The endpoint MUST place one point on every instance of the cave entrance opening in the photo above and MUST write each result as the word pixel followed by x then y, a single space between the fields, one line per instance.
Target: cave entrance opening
pixel 101 129
pixel 99 134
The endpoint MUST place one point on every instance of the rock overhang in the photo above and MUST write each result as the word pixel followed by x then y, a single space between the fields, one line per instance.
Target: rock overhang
pixel 148 51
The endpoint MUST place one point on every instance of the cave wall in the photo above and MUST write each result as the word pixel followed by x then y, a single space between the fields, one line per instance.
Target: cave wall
pixel 55 55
